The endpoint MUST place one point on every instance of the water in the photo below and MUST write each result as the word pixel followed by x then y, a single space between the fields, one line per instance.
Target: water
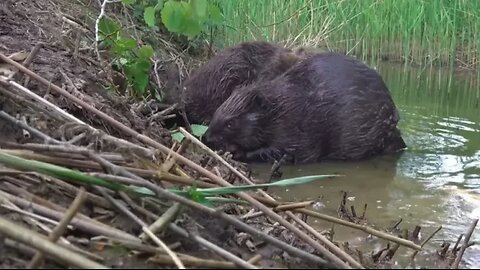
pixel 435 182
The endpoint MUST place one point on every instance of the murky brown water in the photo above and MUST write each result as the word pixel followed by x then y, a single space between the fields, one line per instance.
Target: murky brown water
pixel 435 182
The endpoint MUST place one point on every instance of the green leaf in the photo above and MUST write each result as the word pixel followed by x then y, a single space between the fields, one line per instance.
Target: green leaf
pixel 138 75
pixel 173 15
pixel 197 130
pixel 199 8
pixel 128 2
pixel 149 16
pixel 192 28
pixel 123 45
pixel 282 183
pixel 145 52
pixel 107 29
pixel 199 197
pixel 178 136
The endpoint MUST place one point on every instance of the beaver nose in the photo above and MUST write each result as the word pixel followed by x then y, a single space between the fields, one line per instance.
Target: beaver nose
pixel 210 140
pixel 206 138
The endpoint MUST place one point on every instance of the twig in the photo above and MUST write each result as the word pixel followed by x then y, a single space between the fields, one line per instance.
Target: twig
pixel 337 251
pixel 163 221
pixel 29 60
pixel 224 253
pixel 61 227
pixel 201 241
pixel 364 211
pixel 88 225
pixel 32 252
pixel 38 241
pixel 465 244
pixel 123 209
pixel 426 241
pixel 23 125
pixel 396 225
pixel 454 249
pixel 416 232
pixel 43 101
pixel 255 259
pixel 131 245
pixel 26 213
pixel 283 207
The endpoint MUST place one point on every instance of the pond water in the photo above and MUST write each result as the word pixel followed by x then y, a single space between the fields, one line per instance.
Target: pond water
pixel 436 181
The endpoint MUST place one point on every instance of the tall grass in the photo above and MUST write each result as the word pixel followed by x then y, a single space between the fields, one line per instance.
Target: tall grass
pixel 445 32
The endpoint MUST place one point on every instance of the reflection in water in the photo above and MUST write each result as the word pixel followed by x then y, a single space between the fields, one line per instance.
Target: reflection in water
pixel 435 182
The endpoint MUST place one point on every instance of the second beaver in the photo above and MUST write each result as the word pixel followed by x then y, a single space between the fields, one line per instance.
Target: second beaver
pixel 210 85
pixel 327 107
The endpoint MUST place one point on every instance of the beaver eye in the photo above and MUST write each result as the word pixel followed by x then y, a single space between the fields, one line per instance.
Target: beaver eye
pixel 229 124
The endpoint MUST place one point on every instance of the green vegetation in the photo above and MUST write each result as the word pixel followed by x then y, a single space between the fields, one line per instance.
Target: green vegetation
pixel 425 32
pixel 190 18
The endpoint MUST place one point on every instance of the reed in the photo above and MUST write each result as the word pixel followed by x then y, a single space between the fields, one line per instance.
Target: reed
pixel 440 32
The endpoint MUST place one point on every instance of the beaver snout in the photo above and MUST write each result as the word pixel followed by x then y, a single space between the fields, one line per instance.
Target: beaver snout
pixel 211 140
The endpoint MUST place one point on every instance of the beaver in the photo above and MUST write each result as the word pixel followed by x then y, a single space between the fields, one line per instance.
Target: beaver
pixel 210 85
pixel 329 106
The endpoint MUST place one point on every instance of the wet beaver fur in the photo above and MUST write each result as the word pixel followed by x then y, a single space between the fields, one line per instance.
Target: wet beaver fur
pixel 210 85
pixel 327 107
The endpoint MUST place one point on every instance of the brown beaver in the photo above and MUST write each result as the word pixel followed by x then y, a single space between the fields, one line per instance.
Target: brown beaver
pixel 210 85
pixel 326 107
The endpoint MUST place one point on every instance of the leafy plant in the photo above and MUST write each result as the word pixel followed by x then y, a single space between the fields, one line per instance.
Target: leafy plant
pixel 189 18
pixel 133 61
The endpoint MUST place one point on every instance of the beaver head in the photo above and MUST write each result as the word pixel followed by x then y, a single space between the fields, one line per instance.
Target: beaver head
pixel 241 123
